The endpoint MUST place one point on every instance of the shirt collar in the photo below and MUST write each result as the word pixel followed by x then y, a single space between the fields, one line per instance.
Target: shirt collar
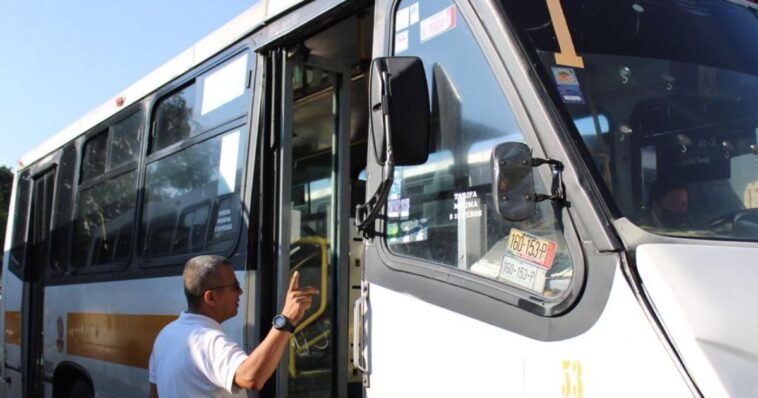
pixel 186 317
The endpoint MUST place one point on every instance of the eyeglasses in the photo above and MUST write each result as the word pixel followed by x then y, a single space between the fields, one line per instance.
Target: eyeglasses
pixel 235 285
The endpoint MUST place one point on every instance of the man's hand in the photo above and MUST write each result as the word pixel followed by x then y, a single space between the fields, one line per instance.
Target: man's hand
pixel 298 300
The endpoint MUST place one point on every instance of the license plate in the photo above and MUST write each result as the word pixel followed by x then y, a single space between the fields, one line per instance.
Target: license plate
pixel 531 248
pixel 523 274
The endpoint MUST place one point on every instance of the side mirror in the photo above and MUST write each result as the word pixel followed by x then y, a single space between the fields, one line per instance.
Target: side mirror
pixel 399 126
pixel 400 110
pixel 513 181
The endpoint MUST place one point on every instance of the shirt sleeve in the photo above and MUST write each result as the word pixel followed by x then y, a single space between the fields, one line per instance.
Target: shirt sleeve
pixel 225 356
pixel 151 372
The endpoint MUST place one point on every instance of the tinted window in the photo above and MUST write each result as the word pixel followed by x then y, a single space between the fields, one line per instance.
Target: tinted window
pixel 124 141
pixel 215 97
pixel 192 198
pixel 63 210
pixel 104 219
pixel 443 211
pixel 95 154
pixel 21 221
pixel 114 147
pixel 677 85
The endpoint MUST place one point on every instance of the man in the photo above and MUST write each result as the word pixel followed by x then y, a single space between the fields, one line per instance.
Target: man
pixel 192 357
pixel 669 204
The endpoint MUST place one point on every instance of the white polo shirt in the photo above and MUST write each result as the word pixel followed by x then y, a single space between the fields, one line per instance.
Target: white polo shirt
pixel 192 357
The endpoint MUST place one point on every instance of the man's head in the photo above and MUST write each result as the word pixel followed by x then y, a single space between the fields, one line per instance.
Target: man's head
pixel 669 204
pixel 211 287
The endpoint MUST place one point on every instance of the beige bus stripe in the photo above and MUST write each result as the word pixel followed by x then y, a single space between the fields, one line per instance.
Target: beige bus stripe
pixel 13 327
pixel 118 338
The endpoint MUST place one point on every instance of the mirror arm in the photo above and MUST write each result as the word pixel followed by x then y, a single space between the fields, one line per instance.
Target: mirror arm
pixel 366 214
pixel 558 193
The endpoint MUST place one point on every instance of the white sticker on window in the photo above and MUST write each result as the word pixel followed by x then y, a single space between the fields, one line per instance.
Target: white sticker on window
pixel 399 208
pixel 227 166
pixel 223 223
pixel 414 13
pixel 402 19
pixel 523 274
pixel 401 42
pixel 438 24
pixel 408 231
pixel 224 85
pixel 466 205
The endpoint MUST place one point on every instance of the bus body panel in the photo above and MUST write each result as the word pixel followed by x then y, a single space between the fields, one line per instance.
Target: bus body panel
pixel 418 349
pixel 700 292
pixel 109 321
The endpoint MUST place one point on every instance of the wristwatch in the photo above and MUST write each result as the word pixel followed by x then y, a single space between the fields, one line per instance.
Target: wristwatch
pixel 282 323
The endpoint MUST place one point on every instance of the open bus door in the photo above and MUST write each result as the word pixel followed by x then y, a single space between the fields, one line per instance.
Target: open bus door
pixel 311 154
pixel 32 361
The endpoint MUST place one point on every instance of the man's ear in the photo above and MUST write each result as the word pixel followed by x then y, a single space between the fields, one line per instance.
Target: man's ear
pixel 209 298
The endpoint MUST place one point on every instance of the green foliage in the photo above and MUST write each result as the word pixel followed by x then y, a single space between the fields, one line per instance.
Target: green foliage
pixel 6 180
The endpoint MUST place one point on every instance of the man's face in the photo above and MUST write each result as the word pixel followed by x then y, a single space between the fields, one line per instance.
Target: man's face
pixel 228 295
pixel 675 201
pixel 672 211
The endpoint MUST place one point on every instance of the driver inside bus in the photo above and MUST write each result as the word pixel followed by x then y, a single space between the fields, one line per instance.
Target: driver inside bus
pixel 192 357
pixel 669 204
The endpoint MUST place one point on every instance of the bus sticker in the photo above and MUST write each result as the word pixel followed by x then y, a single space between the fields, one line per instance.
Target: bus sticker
pixel 399 208
pixel 408 231
pixel 531 248
pixel 438 24
pixel 224 85
pixel 401 42
pixel 402 19
pixel 414 13
pixel 568 85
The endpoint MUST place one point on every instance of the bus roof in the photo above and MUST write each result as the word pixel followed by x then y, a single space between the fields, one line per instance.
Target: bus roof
pixel 242 25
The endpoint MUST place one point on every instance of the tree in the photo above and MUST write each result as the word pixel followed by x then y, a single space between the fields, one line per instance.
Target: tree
pixel 6 180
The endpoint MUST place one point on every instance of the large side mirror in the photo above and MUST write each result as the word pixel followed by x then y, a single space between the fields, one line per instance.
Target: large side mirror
pixel 400 110
pixel 399 126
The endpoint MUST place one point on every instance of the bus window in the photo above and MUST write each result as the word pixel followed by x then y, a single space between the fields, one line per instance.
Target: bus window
pixel 192 198
pixel 95 152
pixel 20 224
pixel 213 98
pixel 682 129
pixel 105 214
pixel 106 200
pixel 63 206
pixel 124 145
pixel 442 211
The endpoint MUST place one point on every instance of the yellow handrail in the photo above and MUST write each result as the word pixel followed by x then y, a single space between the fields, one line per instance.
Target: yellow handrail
pixel 323 245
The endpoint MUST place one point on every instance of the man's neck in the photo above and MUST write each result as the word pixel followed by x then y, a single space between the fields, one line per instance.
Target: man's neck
pixel 204 312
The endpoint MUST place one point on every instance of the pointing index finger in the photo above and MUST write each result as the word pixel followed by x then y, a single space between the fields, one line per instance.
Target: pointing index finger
pixel 294 281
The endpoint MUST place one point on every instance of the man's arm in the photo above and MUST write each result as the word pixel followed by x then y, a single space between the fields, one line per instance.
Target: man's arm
pixel 264 359
pixel 153 391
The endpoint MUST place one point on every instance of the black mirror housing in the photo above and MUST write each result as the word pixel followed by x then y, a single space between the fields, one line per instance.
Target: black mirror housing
pixel 399 91
pixel 513 181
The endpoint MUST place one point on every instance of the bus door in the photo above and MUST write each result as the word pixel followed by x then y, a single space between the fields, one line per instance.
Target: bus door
pixel 312 148
pixel 43 188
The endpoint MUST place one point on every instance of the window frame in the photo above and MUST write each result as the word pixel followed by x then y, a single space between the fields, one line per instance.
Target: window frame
pixel 415 274
pixel 190 80
pixel 241 122
pixel 109 175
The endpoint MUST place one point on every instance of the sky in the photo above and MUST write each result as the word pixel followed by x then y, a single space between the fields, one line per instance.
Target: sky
pixel 61 59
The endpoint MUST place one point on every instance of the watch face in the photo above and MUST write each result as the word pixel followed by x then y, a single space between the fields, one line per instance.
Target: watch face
pixel 279 321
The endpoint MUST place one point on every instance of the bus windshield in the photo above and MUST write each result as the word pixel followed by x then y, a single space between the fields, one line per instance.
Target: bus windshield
pixel 664 95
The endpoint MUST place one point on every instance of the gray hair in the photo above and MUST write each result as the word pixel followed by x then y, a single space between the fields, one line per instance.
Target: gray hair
pixel 200 274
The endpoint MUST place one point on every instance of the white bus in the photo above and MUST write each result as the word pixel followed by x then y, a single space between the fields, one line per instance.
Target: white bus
pixel 553 199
